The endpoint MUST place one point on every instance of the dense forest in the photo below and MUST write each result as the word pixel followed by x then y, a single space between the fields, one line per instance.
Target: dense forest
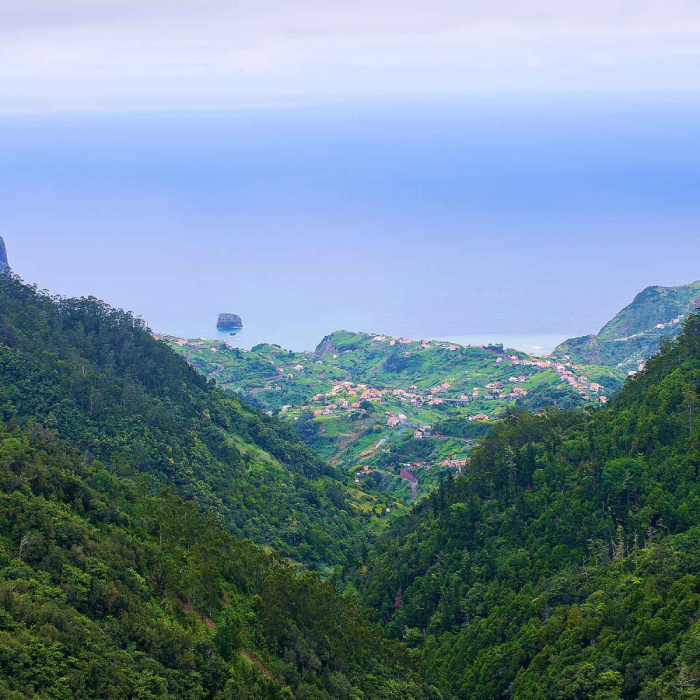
pixel 108 592
pixel 111 584
pixel 96 376
pixel 566 562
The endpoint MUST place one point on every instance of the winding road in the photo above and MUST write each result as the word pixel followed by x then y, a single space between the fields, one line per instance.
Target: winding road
pixel 411 478
pixel 220 367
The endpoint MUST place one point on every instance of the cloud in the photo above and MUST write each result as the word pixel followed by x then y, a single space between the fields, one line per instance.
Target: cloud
pixel 84 54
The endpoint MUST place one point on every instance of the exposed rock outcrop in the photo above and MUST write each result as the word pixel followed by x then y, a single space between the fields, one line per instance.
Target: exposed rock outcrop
pixel 228 322
pixel 325 347
pixel 3 255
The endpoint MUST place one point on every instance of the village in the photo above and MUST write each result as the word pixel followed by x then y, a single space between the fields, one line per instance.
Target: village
pixel 361 409
pixel 347 397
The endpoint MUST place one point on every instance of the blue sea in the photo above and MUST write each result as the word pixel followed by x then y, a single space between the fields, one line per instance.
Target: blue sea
pixel 522 220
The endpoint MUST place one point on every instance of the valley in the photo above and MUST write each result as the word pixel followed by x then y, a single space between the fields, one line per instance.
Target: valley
pixel 474 522
pixel 350 351
pixel 373 405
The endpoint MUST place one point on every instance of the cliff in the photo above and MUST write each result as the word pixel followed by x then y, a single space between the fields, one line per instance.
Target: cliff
pixel 3 255
pixel 325 347
pixel 340 341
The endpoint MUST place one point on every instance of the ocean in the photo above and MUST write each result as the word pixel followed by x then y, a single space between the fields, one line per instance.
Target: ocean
pixel 527 218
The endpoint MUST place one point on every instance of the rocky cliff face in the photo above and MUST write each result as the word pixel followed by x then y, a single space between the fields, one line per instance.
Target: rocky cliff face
pixel 3 255
pixel 340 341
pixel 229 322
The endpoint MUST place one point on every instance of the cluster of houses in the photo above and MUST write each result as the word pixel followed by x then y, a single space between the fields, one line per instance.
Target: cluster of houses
pixel 393 340
pixel 425 431
pixel 457 464
pixel 362 392
pixel 350 395
pixel 657 327
pixel 425 344
pixel 582 384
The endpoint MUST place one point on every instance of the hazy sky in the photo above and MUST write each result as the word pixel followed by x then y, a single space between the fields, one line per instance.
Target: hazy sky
pixel 433 166
pixel 161 54
pixel 504 216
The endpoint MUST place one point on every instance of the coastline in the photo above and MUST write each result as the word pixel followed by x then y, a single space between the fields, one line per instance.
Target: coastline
pixel 538 344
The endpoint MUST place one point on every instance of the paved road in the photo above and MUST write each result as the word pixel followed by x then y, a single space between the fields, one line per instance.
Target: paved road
pixel 411 478
pixel 219 369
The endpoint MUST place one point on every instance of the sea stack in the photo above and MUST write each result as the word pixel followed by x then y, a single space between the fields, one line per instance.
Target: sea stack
pixel 229 322
pixel 4 265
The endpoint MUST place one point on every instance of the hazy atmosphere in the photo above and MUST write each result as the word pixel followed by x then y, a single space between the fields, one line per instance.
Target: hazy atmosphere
pixel 350 350
pixel 80 55
pixel 499 215
pixel 400 166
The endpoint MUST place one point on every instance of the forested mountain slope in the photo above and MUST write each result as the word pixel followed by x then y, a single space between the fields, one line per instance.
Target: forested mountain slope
pixel 566 562
pixel 107 593
pixel 110 585
pixel 96 376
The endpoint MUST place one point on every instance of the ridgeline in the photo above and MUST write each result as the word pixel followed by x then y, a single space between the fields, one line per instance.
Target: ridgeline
pixel 636 332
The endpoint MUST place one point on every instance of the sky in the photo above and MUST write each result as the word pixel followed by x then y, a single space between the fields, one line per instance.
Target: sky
pixel 420 168
pixel 453 218
pixel 124 55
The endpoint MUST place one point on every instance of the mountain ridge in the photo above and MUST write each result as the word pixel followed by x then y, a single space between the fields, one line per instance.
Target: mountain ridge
pixel 635 332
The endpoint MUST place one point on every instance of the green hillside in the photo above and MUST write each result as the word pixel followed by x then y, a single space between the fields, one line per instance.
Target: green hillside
pixel 562 562
pixel 97 377
pixel 111 585
pixel 565 563
pixel 109 593
pixel 636 332
pixel 360 398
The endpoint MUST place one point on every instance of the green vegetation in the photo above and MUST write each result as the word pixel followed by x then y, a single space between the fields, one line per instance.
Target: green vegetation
pixel 113 586
pixel 566 562
pixel 559 558
pixel 96 376
pixel 637 331
pixel 359 398
pixel 107 592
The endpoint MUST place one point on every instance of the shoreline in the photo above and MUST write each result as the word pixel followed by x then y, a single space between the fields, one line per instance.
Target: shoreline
pixel 537 344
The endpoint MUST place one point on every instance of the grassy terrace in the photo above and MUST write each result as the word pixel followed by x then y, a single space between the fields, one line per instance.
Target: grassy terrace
pixel 359 398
